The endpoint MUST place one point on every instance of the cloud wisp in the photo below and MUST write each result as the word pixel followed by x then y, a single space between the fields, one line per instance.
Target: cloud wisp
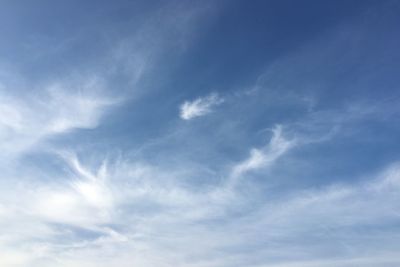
pixel 200 106
pixel 261 158
pixel 25 122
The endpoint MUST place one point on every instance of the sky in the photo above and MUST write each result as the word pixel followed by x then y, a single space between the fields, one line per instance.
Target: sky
pixel 221 133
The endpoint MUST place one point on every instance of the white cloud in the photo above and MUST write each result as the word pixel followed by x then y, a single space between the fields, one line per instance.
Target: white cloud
pixel 81 218
pixel 261 158
pixel 142 214
pixel 57 109
pixel 75 110
pixel 129 213
pixel 200 106
pixel 86 201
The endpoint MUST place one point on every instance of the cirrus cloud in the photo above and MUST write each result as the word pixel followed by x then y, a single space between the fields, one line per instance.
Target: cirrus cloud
pixel 200 106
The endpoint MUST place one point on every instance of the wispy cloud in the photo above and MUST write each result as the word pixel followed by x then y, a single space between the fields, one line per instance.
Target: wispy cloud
pixel 261 158
pixel 26 121
pixel 126 211
pixel 200 106
pixel 85 201
pixel 197 194
pixel 152 223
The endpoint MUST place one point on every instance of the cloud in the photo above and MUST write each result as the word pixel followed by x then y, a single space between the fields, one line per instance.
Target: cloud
pixel 122 212
pixel 261 158
pixel 74 208
pixel 80 210
pixel 200 106
pixel 57 109
pixel 125 211
pixel 282 232
pixel 85 201
pixel 331 217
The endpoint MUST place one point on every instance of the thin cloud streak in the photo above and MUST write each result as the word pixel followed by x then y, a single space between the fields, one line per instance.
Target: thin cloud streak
pixel 261 158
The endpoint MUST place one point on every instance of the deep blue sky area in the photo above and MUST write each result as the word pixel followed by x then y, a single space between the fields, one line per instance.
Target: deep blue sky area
pixel 199 133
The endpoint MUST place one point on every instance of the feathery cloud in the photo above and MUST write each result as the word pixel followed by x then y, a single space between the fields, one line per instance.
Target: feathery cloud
pixel 200 106
pixel 260 158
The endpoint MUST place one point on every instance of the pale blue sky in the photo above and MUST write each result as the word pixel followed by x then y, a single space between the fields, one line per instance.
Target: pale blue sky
pixel 199 133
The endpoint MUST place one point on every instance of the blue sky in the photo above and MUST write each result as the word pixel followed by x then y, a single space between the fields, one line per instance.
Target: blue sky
pixel 199 133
